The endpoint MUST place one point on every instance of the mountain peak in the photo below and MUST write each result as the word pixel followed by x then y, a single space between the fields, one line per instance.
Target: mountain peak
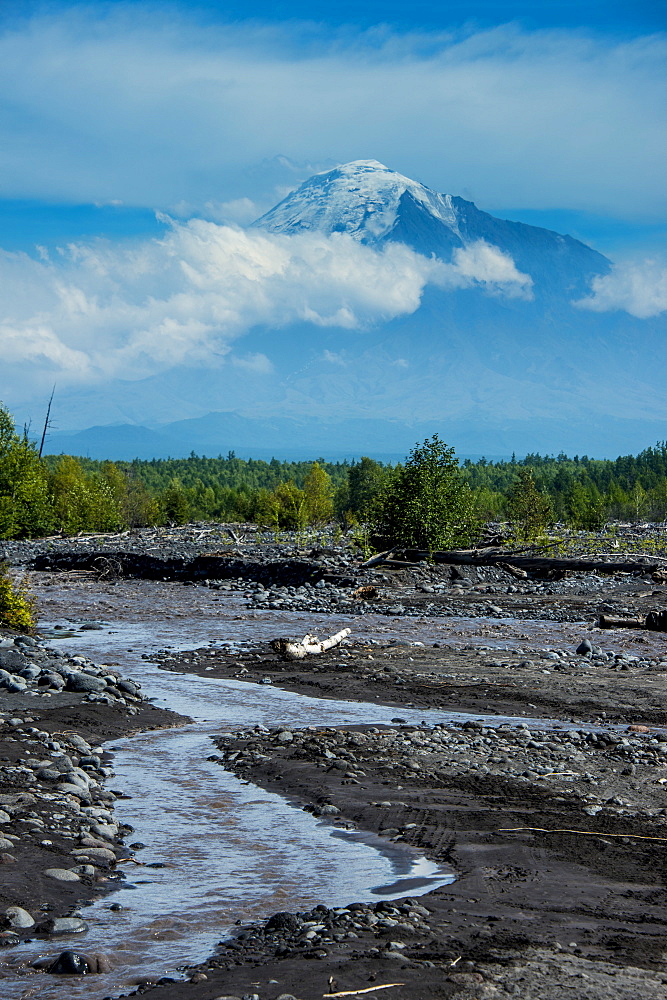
pixel 373 204
pixel 361 198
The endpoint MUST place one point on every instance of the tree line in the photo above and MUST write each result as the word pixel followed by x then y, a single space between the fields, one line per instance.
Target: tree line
pixel 430 500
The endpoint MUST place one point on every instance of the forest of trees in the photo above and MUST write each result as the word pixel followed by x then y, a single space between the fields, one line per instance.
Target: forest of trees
pixel 41 496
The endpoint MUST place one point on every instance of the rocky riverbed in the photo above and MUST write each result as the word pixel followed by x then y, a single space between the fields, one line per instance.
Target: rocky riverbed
pixel 60 842
pixel 556 832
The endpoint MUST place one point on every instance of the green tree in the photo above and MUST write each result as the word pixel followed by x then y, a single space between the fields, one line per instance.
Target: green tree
pixel 528 509
pixel 176 503
pixel 85 501
pixel 427 504
pixel 586 508
pixel 365 481
pixel 288 506
pixel 25 505
pixel 318 491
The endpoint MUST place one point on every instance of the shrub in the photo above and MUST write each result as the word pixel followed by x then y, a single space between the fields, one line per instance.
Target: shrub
pixel 427 504
pixel 17 605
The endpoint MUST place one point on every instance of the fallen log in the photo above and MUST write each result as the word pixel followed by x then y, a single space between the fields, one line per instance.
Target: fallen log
pixel 608 621
pixel 310 645
pixel 493 558
pixel 655 621
pixel 380 557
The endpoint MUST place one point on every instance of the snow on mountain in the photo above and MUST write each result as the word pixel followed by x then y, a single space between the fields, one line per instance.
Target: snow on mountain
pixel 362 198
pixel 374 204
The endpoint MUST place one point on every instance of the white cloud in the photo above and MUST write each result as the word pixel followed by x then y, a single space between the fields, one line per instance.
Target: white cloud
pixel 334 358
pixel 111 104
pixel 486 265
pixel 256 363
pixel 637 288
pixel 99 310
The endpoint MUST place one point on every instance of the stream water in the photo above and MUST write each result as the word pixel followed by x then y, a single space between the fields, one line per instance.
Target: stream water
pixel 232 852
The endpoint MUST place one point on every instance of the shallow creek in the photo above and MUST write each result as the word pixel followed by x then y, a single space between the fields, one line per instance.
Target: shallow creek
pixel 232 852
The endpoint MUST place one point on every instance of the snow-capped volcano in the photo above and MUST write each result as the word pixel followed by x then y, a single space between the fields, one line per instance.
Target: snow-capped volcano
pixel 362 198
pixel 370 343
pixel 374 204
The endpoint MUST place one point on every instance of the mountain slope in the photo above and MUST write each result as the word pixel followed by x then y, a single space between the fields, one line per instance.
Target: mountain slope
pixel 373 204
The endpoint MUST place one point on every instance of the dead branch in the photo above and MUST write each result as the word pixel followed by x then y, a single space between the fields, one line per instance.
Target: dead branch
pixel 356 993
pixel 515 571
pixel 310 645
pixel 379 558
pixel 580 833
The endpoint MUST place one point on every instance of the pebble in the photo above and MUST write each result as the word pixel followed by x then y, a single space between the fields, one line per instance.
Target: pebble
pixel 62 874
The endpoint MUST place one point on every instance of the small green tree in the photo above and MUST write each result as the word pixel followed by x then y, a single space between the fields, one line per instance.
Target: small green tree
pixel 586 508
pixel 176 503
pixel 319 508
pixel 528 509
pixel 427 504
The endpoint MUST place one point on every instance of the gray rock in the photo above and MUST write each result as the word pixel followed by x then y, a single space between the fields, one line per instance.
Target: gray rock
pixel 48 774
pixel 584 647
pixel 105 830
pixel 11 659
pixel 69 788
pixel 30 672
pixel 49 678
pixel 62 875
pixel 85 682
pixel 326 810
pixel 18 917
pixel 79 742
pixel 63 925
pixel 96 853
pixel 12 682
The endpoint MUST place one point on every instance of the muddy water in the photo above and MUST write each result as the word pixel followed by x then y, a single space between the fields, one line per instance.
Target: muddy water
pixel 230 851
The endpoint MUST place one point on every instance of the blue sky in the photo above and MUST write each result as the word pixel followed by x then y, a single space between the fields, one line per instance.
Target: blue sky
pixel 137 139
pixel 547 113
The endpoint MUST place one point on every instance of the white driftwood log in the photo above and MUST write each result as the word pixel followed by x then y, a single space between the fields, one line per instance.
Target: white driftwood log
pixel 309 645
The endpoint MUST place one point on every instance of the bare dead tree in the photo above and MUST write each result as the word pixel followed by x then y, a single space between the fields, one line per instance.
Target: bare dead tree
pixel 47 423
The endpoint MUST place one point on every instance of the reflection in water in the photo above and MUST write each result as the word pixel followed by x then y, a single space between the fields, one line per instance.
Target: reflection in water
pixel 230 851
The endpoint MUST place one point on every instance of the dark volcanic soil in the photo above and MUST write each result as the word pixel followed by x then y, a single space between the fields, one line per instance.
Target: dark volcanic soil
pixel 557 836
